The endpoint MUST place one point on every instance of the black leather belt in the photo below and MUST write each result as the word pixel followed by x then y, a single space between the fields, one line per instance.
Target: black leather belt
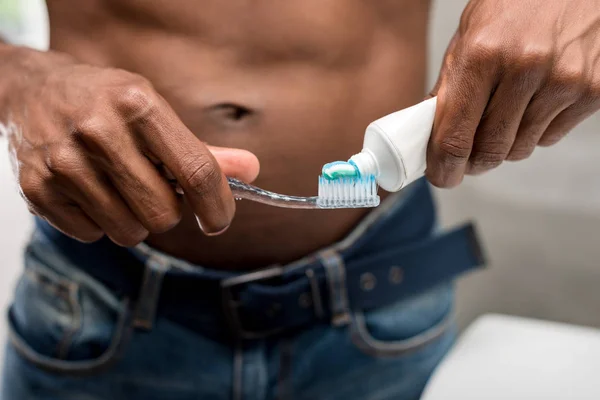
pixel 260 303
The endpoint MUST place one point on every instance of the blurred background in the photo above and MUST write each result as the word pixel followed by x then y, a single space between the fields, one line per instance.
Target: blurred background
pixel 539 218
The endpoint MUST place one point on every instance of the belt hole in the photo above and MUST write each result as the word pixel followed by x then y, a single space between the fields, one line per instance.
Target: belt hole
pixel 368 281
pixel 396 275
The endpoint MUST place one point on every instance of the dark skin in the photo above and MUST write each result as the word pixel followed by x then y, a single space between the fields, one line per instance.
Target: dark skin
pixel 130 94
pixel 517 74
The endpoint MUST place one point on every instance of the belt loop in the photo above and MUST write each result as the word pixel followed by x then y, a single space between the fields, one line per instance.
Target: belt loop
pixel 316 294
pixel 335 272
pixel 145 310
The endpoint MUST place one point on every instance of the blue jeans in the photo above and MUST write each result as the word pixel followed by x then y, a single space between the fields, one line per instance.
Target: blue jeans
pixel 71 337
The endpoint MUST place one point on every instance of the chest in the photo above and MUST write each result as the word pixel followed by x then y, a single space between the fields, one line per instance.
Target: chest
pixel 257 30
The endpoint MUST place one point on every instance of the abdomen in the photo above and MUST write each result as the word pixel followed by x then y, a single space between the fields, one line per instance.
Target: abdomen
pixel 296 84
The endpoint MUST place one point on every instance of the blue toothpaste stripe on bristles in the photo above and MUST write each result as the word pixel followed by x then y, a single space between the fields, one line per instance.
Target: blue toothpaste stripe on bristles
pixel 340 169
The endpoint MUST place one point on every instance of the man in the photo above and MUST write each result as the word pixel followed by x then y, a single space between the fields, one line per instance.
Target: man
pixel 132 291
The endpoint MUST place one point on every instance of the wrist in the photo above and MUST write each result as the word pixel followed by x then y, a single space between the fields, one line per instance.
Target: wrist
pixel 22 65
pixel 27 60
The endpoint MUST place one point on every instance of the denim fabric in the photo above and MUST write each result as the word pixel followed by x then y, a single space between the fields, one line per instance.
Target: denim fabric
pixel 72 338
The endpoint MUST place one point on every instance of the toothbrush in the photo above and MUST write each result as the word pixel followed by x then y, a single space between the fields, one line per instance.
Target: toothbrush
pixel 346 192
pixel 393 155
pixel 356 192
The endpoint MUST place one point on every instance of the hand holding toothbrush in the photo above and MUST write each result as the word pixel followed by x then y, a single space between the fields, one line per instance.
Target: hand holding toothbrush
pixel 517 74
pixel 91 147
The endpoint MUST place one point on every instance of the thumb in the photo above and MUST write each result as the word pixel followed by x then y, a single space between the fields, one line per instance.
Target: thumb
pixel 236 163
pixel 446 61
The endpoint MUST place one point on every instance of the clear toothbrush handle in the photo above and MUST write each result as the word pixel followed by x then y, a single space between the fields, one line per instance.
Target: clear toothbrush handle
pixel 245 191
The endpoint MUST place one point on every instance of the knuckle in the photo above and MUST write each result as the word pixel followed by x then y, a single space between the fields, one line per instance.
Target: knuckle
pixel 527 138
pixel 532 57
pixel 62 160
pixel 569 78
pixel 520 153
pixel 483 47
pixel 93 130
pixel 486 165
pixel 136 100
pixel 30 187
pixel 488 157
pixel 203 176
pixel 34 186
pixel 163 221
pixel 492 131
pixel 454 149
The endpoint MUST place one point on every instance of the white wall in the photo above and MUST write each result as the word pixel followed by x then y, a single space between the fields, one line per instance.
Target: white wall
pixel 23 22
pixel 15 225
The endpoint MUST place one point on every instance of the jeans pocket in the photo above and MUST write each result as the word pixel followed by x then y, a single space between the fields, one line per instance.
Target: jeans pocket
pixel 404 326
pixel 63 324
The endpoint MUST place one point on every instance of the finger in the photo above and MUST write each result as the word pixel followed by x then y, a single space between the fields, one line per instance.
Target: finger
pixel 102 203
pixel 45 202
pixel 77 179
pixel 192 164
pixel 73 222
pixel 145 191
pixel 463 96
pixel 498 127
pixel 544 107
pixel 236 163
pixel 565 122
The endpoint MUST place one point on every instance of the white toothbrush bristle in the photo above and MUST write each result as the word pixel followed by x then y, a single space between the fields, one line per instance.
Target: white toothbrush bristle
pixel 348 192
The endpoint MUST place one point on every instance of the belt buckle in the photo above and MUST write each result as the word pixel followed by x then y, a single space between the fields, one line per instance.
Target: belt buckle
pixel 231 304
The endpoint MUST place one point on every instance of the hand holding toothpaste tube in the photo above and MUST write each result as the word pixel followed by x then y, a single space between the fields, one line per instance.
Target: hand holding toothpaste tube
pixel 517 74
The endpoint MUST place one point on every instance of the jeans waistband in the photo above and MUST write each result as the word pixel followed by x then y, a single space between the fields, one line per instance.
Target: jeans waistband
pixel 394 252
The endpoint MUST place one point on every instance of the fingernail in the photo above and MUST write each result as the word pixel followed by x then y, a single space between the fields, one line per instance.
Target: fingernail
pixel 217 233
pixel 210 233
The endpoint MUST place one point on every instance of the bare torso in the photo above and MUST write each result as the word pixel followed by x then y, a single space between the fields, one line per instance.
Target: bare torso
pixel 296 82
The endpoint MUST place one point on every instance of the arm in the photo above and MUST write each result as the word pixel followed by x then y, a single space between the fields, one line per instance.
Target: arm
pixel 89 144
pixel 517 74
